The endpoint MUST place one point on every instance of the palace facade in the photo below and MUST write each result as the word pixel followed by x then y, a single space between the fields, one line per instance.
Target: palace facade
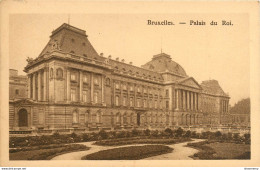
pixel 71 86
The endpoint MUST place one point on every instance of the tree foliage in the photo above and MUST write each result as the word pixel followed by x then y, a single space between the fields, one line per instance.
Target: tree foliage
pixel 241 107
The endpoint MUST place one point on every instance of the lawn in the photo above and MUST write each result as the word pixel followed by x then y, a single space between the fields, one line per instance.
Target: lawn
pixel 44 152
pixel 128 141
pixel 129 153
pixel 229 150
pixel 220 150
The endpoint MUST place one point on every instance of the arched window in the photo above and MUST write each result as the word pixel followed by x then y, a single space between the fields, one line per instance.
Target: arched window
pixel 59 73
pixel 75 117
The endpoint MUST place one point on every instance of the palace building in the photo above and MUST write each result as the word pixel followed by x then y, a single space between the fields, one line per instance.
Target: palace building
pixel 71 86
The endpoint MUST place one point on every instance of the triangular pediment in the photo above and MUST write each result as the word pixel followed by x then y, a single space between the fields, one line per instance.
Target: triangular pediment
pixel 190 82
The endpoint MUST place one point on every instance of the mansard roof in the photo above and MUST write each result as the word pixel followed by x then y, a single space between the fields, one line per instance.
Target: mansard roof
pixel 163 63
pixel 135 71
pixel 212 87
pixel 69 39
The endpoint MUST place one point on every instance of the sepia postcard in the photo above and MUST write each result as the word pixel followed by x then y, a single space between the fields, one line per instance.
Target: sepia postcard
pixel 130 83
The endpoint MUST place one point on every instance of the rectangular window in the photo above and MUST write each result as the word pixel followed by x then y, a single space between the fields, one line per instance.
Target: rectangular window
pixel 73 95
pixel 155 104
pixel 117 101
pixel 167 104
pixel 124 101
pixel 84 96
pixel 96 97
pixel 131 88
pixel 117 85
pixel 124 87
pixel 73 77
pixel 96 82
pixel 131 102
pixel 167 93
pixel 145 103
pixel 16 91
pixel 85 79
pixel 138 103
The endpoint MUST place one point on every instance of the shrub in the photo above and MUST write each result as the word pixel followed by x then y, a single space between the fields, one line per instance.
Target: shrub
pixel 155 133
pixel 229 136
pixel 121 134
pixel 103 134
pixel 194 134
pixel 247 138
pixel 85 137
pixel 73 135
pixel 187 134
pixel 179 132
pixel 168 132
pixel 217 134
pixel 147 132
pixel 135 132
pixel 56 135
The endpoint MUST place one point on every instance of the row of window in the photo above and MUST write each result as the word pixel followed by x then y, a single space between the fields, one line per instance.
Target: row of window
pixel 145 102
pixel 73 96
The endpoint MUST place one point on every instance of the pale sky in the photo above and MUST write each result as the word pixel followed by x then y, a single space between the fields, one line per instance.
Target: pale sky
pixel 205 52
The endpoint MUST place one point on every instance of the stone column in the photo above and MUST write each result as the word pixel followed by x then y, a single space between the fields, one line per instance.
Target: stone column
pixel 80 85
pixel 177 99
pixel 191 97
pixel 103 89
pixel 33 87
pixel 183 100
pixel 198 101
pixel 92 88
pixel 44 85
pixel 39 86
pixel 188 100
pixel 29 86
pixel 68 85
pixel 195 101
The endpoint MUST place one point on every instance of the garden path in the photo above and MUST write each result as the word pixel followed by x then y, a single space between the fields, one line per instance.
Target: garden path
pixel 180 152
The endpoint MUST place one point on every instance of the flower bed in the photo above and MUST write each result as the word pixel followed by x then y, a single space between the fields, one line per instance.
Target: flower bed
pixel 129 153
pixel 128 141
pixel 44 153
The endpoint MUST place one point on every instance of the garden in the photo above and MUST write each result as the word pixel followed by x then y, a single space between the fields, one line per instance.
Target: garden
pixel 215 146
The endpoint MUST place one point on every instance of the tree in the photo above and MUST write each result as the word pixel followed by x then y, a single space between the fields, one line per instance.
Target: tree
pixel 241 107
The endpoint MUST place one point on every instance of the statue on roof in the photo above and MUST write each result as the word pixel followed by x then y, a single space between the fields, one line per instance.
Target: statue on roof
pixel 55 45
pixel 29 60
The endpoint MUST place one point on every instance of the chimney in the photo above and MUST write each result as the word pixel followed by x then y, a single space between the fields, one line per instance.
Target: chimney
pixel 101 54
pixel 109 57
pixel 123 60
pixel 130 62
pixel 117 59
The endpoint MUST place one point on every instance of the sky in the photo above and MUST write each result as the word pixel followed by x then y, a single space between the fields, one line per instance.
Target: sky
pixel 204 51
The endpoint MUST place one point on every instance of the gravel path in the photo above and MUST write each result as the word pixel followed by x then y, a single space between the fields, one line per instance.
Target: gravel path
pixel 180 152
